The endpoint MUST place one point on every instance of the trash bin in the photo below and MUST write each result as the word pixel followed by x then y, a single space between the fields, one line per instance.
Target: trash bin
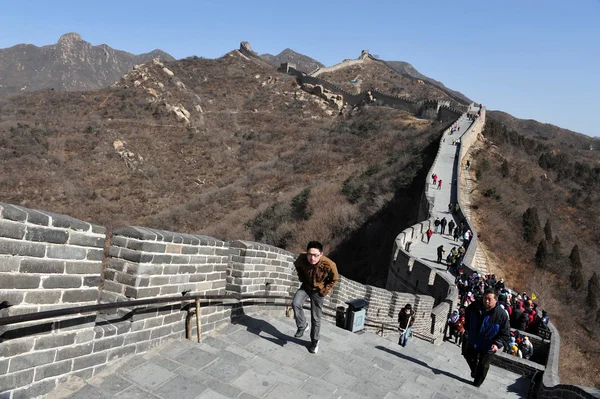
pixel 355 315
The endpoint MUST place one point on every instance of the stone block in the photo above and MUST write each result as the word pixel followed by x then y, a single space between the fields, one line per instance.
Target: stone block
pixel 66 252
pixel 9 281
pixel 160 332
pixel 92 360
pixel 83 267
pixel 80 296
pixel 4 366
pixel 61 282
pixel 31 360
pixel 12 229
pixel 86 240
pixel 111 286
pixel 169 289
pixel 12 212
pixel 54 341
pixel 93 281
pixel 42 266
pixel 9 263
pixel 108 343
pixel 118 353
pixel 68 222
pixel 54 369
pixel 74 351
pixel 11 381
pixel 188 250
pixel 161 259
pixel 147 246
pixel 45 234
pixel 22 248
pixel 158 280
pixel 95 254
pixel 180 259
pixel 42 297
pixel 135 232
pixel 137 337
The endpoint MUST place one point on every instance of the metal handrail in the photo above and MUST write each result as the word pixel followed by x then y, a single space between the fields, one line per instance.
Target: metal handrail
pixel 48 314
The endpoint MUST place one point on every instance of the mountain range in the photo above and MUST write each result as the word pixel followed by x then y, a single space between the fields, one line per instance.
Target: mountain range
pixel 72 64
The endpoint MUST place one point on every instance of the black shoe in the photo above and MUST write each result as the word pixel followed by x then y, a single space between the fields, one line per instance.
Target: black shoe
pixel 300 332
pixel 472 374
pixel 314 347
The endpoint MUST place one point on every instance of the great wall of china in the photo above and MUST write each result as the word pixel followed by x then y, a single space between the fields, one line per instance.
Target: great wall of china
pixel 50 261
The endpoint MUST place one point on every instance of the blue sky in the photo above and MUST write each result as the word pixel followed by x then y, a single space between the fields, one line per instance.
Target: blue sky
pixel 533 59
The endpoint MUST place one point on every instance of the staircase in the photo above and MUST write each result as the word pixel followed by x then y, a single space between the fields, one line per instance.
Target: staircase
pixel 260 358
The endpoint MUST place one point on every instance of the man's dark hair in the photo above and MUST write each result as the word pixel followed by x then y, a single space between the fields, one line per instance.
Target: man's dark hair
pixel 314 244
pixel 490 291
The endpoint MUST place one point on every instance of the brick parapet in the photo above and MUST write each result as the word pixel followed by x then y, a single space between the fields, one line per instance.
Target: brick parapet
pixel 47 261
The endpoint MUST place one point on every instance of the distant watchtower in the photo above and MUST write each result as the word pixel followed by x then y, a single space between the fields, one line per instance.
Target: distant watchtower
pixel 431 108
pixel 285 67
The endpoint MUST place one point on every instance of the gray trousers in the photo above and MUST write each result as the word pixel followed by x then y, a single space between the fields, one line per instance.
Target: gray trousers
pixel 316 310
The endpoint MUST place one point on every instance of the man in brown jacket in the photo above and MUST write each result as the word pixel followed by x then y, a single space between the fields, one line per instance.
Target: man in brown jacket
pixel 318 274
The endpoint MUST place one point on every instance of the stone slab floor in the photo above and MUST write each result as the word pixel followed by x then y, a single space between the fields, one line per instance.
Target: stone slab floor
pixel 260 358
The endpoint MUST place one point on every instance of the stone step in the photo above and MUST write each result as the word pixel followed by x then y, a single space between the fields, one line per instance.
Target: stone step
pixel 260 358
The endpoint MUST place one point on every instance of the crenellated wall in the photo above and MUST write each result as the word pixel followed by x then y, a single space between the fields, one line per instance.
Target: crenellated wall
pixel 50 261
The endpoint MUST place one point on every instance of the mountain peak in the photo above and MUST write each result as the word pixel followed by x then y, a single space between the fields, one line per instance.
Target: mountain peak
pixel 69 38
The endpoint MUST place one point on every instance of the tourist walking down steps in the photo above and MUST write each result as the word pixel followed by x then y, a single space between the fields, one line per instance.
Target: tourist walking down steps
pixel 488 330
pixel 318 275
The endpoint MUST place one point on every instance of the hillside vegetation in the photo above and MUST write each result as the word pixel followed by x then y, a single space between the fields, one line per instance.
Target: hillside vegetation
pixel 223 147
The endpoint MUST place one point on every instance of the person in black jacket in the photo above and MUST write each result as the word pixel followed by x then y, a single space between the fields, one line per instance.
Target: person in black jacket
pixel 488 331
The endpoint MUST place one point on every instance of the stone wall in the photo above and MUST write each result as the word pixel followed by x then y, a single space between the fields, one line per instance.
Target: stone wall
pixel 50 261
pixel 47 260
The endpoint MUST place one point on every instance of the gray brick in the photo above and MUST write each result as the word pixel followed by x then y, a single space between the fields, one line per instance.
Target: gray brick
pixel 66 252
pixel 11 212
pixel 37 217
pixel 135 232
pixel 3 366
pixel 68 222
pixel 62 282
pixel 54 369
pixel 83 267
pixel 9 263
pixel 9 281
pixel 98 229
pixel 137 337
pixel 80 296
pixel 54 341
pixel 42 266
pixel 12 229
pixel 147 246
pixel 86 240
pixel 93 281
pixel 118 353
pixel 43 297
pixel 22 248
pixel 74 351
pixel 95 254
pixel 44 234
pixel 35 390
pixel 161 259
pixel 30 360
pixel 13 380
pixel 84 362
pixel 108 343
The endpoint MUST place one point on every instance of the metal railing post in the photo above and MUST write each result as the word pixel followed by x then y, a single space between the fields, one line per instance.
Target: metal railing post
pixel 198 320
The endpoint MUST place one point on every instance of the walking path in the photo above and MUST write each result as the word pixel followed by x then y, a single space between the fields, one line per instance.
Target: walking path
pixel 260 358
pixel 444 168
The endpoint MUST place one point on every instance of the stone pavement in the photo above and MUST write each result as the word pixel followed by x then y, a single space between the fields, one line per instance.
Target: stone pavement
pixel 260 358
pixel 444 168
